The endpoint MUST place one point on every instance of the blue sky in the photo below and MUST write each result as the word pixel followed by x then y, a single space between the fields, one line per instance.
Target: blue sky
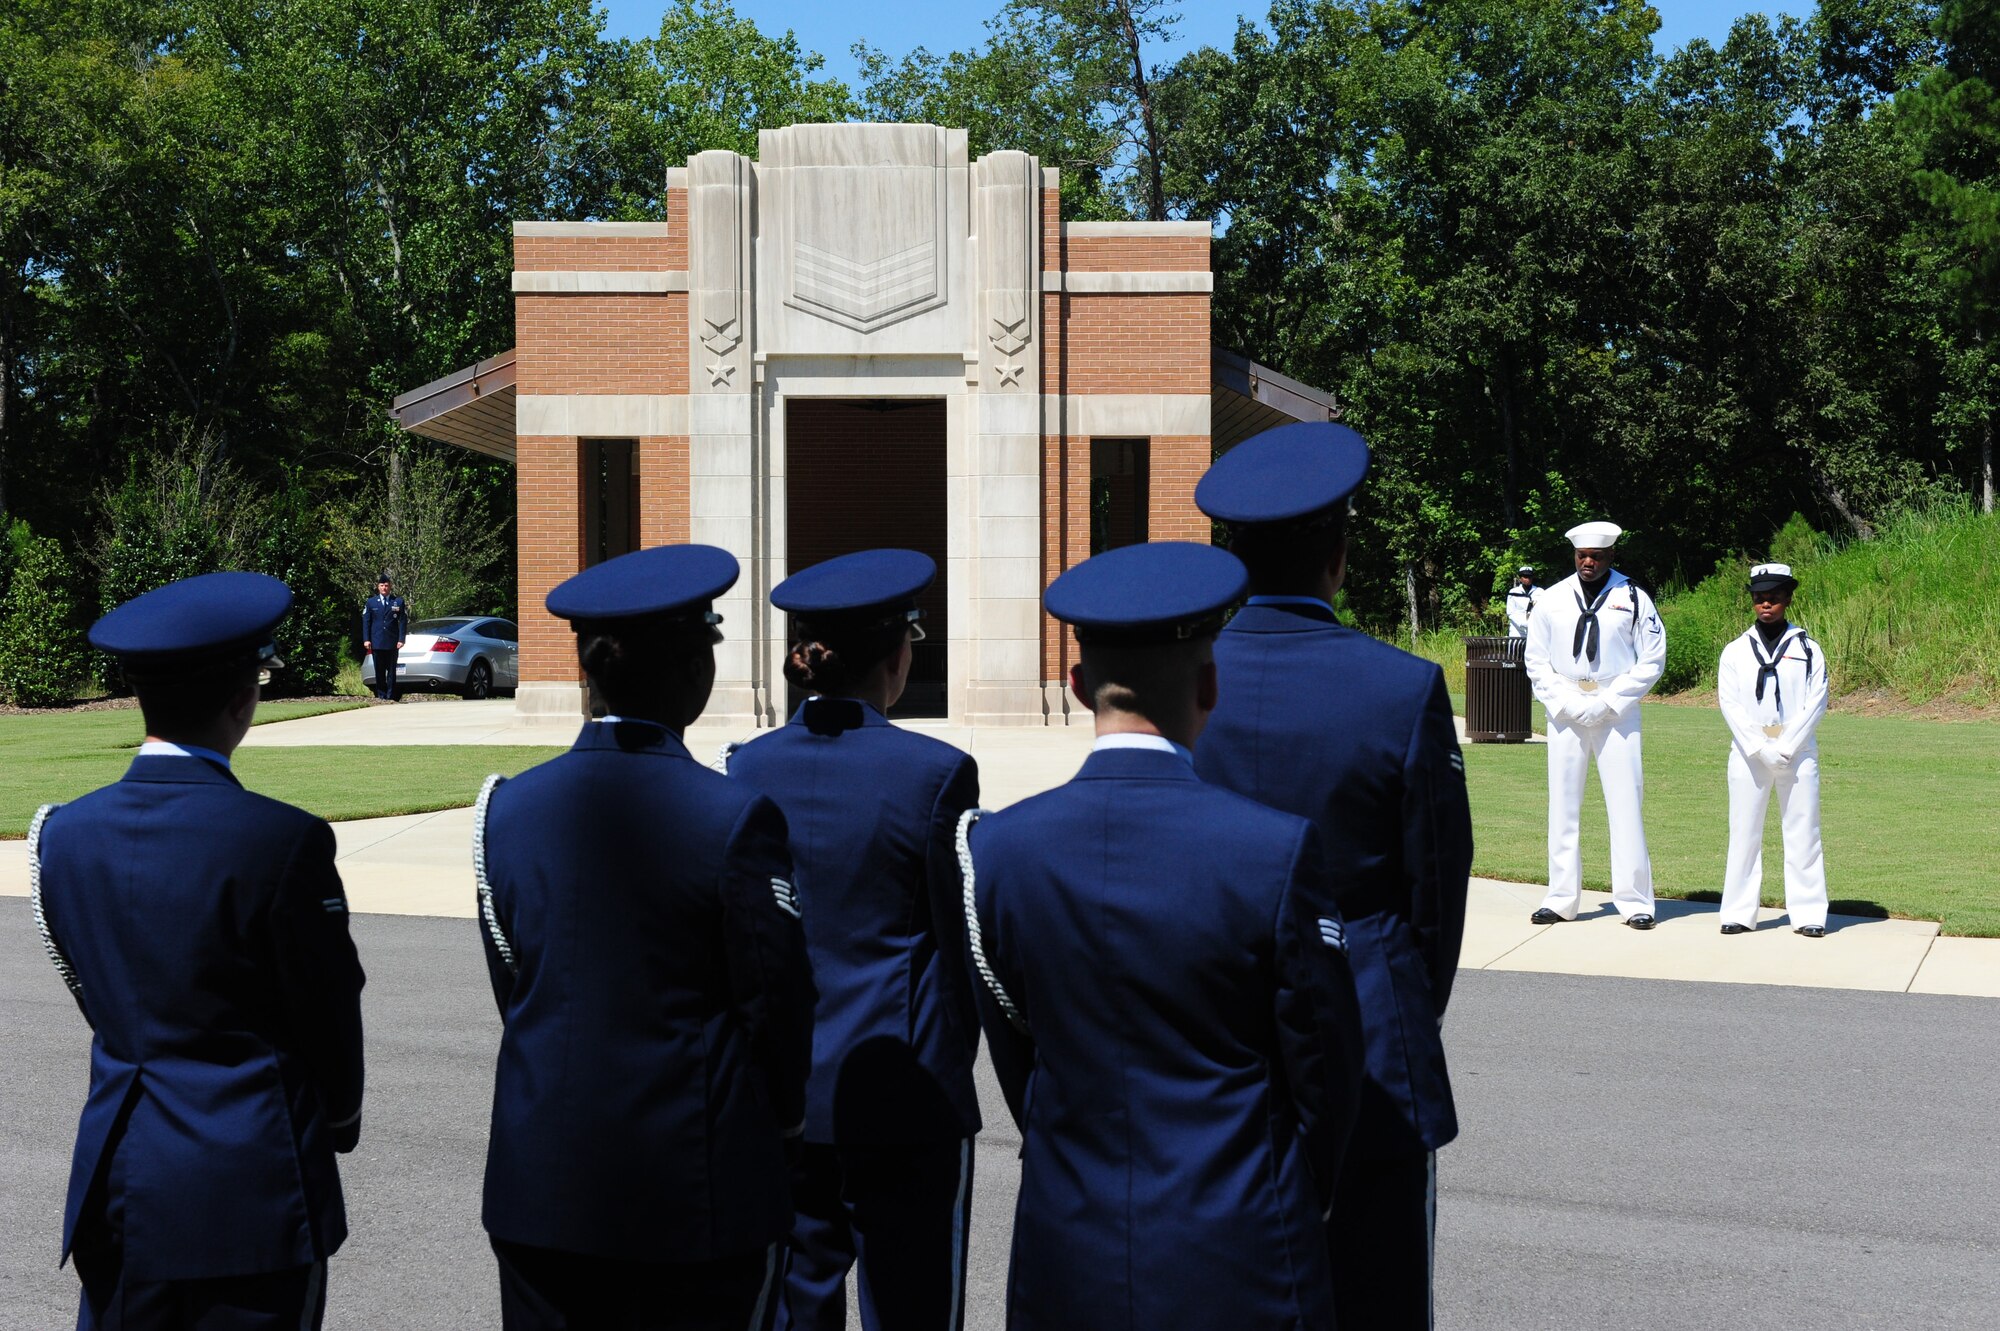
pixel 899 25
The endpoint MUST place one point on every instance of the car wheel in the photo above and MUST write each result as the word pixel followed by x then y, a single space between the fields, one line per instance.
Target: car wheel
pixel 479 680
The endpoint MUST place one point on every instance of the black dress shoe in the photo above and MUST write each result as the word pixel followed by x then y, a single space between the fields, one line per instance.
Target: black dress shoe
pixel 1735 929
pixel 1811 930
pixel 1639 921
pixel 1545 916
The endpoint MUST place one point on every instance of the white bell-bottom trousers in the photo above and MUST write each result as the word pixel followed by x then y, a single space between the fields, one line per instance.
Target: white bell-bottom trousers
pixel 1615 745
pixel 1750 783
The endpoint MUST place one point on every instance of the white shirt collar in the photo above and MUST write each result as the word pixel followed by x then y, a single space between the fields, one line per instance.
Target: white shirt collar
pixel 1290 600
pixel 160 748
pixel 629 721
pixel 1157 743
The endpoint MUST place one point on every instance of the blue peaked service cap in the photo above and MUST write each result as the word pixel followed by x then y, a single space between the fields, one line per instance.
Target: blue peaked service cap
pixel 1291 474
pixel 667 582
pixel 865 585
pixel 208 620
pixel 1163 591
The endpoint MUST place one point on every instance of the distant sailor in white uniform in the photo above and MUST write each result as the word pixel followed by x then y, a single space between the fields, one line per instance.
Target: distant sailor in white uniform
pixel 1772 689
pixel 1595 648
pixel 1522 599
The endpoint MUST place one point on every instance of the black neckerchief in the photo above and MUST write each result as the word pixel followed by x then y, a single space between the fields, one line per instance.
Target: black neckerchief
pixel 1767 666
pixel 1585 642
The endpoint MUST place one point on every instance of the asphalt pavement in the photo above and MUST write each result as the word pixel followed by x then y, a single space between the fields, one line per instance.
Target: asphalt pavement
pixel 1636 1153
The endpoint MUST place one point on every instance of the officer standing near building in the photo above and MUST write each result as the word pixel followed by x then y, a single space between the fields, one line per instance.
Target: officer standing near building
pixel 1330 724
pixel 1165 991
pixel 1595 648
pixel 1522 598
pixel 643 940
pixel 886 1171
pixel 202 930
pixel 385 623
pixel 1772 688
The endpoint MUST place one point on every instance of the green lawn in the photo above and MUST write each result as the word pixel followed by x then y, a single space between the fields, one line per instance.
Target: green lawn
pixel 56 757
pixel 1911 811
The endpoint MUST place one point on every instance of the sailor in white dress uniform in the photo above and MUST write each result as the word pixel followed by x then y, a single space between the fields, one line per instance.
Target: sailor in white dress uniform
pixel 1772 689
pixel 1522 600
pixel 1595 648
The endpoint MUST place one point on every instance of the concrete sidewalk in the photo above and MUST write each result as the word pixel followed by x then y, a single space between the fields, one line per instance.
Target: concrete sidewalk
pixel 492 721
pixel 420 864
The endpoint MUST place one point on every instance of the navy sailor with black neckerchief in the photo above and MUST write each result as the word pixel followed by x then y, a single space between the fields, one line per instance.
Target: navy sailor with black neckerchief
pixel 202 930
pixel 645 951
pixel 885 1178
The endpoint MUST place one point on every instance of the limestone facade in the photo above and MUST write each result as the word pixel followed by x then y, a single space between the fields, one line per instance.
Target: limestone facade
pixel 871 264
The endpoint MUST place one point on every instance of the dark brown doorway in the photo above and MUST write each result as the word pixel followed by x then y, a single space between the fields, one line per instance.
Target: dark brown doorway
pixel 860 475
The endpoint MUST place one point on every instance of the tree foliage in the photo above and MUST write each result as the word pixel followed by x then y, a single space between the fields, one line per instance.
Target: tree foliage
pixel 1547 268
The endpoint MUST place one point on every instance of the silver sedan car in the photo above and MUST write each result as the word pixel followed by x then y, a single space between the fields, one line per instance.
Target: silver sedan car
pixel 469 654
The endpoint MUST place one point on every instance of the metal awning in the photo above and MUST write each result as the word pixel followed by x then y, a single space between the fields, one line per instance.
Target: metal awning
pixel 472 407
pixel 1246 398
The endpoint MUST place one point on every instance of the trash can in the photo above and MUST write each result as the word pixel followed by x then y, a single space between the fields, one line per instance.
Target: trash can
pixel 1498 704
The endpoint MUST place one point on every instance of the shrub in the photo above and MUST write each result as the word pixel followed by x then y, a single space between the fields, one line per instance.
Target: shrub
pixel 42 656
pixel 1909 613
pixel 190 512
pixel 430 525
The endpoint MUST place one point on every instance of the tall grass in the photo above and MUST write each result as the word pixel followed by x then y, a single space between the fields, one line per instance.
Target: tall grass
pixel 1914 613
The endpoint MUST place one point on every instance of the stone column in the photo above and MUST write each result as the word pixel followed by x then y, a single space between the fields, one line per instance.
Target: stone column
pixel 1001 636
pixel 723 476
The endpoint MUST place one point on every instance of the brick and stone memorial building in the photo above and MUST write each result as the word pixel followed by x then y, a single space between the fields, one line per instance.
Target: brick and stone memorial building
pixel 861 338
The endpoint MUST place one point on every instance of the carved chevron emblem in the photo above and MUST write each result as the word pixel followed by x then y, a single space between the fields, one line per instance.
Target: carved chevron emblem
pixel 868 246
pixel 721 335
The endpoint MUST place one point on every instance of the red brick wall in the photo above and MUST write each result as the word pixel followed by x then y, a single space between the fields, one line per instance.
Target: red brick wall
pixel 1125 344
pixel 600 254
pixel 1136 343
pixel 1136 254
pixel 1178 464
pixel 548 477
pixel 664 479
pixel 601 344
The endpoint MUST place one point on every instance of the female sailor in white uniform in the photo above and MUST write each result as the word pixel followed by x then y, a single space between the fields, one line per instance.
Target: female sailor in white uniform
pixel 1595 648
pixel 1772 689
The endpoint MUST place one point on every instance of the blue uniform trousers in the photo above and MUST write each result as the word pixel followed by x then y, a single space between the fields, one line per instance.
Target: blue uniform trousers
pixel 901 1211
pixel 292 1300
pixel 385 673
pixel 545 1290
pixel 1382 1238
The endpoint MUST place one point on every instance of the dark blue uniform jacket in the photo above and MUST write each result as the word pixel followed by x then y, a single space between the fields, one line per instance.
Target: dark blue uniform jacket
pixel 208 932
pixel 1187 1057
pixel 873 812
pixel 384 623
pixel 1321 721
pixel 659 1027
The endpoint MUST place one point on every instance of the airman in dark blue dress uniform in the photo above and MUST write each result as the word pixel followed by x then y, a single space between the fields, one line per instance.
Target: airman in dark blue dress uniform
pixel 203 932
pixel 1165 992
pixel 643 938
pixel 385 624
pixel 1327 723
pixel 886 1174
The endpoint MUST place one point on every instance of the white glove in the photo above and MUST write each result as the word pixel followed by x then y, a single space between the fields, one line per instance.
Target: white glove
pixel 1592 712
pixel 1774 758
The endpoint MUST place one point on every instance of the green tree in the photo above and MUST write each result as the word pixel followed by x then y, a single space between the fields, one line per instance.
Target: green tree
pixel 42 657
pixel 431 530
pixel 1952 119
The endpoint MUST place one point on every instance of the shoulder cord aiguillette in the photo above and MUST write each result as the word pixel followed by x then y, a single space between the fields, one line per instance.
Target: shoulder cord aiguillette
pixel 49 945
pixel 974 936
pixel 486 911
